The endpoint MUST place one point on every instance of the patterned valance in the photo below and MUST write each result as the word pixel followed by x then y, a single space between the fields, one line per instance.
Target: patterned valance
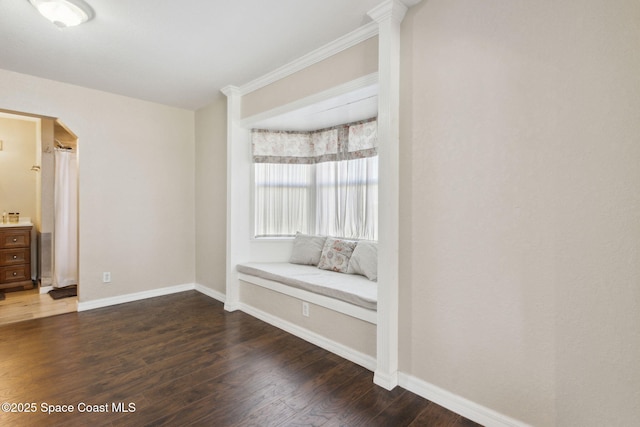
pixel 344 142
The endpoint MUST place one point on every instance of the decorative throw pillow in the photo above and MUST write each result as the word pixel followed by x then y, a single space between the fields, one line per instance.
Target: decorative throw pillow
pixel 307 249
pixel 364 260
pixel 336 254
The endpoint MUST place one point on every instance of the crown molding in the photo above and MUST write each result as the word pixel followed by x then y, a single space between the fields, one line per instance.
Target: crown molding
pixel 393 9
pixel 351 39
pixel 231 90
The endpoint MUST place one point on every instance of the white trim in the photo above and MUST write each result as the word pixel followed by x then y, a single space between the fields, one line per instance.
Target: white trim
pixel 45 289
pixel 343 307
pixel 341 350
pixel 238 183
pixel 468 409
pixel 386 380
pixel 359 83
pixel 389 9
pixel 388 15
pixel 212 293
pixel 351 39
pixel 231 90
pixel 121 299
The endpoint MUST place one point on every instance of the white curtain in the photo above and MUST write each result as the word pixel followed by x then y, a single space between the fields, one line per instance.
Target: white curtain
pixel 347 198
pixel 65 231
pixel 337 198
pixel 283 194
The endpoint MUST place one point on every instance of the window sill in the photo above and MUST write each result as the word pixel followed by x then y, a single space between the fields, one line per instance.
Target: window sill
pixel 287 239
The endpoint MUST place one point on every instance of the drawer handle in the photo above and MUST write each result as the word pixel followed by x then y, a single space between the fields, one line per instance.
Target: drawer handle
pixel 15 257
pixel 15 274
pixel 15 240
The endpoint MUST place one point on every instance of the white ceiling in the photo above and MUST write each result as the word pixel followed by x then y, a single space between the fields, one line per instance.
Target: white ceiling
pixel 179 53
pixel 349 107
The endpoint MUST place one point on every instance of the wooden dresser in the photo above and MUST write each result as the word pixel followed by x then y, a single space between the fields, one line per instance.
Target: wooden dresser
pixel 15 257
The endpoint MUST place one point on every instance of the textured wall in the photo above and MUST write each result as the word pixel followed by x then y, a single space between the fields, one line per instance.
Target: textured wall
pixel 357 61
pixel 136 162
pixel 211 194
pixel 520 240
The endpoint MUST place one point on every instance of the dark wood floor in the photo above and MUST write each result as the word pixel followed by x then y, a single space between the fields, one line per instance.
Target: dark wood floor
pixel 182 360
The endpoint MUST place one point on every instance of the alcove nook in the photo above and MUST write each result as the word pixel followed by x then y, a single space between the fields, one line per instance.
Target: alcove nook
pixel 373 82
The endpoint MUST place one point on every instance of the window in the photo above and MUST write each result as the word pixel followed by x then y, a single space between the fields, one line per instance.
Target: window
pixel 283 197
pixel 321 182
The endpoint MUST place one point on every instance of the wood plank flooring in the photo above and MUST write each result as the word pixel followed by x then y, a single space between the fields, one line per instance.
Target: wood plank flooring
pixel 182 360
pixel 25 305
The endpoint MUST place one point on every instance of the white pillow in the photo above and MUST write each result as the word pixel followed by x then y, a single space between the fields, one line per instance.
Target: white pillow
pixel 307 249
pixel 364 260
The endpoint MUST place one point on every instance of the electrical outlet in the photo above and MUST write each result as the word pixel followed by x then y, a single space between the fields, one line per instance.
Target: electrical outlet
pixel 106 277
pixel 305 309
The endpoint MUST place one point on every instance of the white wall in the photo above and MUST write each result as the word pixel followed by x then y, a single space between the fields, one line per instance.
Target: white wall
pixel 597 214
pixel 520 206
pixel 137 183
pixel 211 194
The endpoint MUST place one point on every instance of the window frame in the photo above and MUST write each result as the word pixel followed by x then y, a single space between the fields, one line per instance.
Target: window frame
pixel 312 207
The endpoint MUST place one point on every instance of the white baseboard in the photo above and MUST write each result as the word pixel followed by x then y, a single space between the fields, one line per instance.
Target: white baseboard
pixel 231 307
pixel 121 299
pixel 341 350
pixel 384 380
pixel 468 409
pixel 211 293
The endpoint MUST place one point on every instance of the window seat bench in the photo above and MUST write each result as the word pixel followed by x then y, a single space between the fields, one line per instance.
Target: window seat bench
pixel 349 294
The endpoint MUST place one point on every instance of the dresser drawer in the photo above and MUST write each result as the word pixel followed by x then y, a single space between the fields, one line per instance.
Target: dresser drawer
pixel 15 256
pixel 18 273
pixel 15 238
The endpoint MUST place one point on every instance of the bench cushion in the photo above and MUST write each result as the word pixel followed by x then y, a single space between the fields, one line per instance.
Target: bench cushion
pixel 354 289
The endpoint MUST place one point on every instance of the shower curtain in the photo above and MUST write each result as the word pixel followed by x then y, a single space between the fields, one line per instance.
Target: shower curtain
pixel 65 228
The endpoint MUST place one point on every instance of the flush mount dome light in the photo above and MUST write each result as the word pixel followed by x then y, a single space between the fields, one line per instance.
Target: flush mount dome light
pixel 64 13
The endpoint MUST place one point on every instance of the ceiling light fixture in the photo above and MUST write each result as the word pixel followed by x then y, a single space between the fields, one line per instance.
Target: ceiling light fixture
pixel 64 13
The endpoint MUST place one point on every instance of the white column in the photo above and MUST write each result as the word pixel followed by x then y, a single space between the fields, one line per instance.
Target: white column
pixel 238 187
pixel 388 15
